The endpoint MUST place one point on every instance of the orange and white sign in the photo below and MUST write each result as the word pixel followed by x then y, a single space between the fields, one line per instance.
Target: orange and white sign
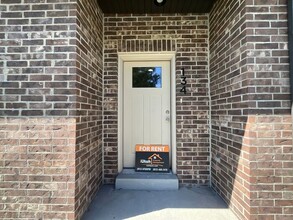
pixel 151 148
pixel 152 158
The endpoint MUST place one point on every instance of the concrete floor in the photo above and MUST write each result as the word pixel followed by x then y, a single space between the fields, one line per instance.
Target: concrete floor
pixel 199 203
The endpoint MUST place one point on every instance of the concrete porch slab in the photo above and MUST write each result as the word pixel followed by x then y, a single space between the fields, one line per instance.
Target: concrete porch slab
pixel 129 179
pixel 199 203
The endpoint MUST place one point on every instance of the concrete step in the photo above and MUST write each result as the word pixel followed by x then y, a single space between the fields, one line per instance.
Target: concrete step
pixel 129 179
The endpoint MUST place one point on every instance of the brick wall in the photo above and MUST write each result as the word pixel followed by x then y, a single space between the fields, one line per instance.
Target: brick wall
pixel 37 84
pixel 89 168
pixel 270 167
pixel 36 62
pixel 270 119
pixel 50 108
pixel 37 168
pixel 230 164
pixel 251 121
pixel 188 36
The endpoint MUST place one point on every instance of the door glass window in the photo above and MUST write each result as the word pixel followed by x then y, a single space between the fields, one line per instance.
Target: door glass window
pixel 147 77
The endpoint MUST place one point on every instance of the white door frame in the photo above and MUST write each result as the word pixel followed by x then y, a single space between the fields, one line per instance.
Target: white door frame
pixel 130 57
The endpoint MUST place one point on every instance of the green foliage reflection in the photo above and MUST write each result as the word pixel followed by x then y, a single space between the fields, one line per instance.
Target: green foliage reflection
pixel 146 77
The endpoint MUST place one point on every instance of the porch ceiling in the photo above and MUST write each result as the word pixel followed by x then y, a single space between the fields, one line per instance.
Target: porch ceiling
pixel 148 6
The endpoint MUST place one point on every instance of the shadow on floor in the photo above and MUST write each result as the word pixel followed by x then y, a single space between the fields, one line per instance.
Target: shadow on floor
pixel 199 203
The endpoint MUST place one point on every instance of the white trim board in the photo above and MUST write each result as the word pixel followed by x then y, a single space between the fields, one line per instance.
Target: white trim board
pixel 129 57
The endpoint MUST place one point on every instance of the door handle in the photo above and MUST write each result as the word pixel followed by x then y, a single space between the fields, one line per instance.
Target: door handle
pixel 167 118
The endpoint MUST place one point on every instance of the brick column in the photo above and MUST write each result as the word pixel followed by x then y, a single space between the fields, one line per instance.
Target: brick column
pixel 270 119
pixel 252 122
pixel 50 108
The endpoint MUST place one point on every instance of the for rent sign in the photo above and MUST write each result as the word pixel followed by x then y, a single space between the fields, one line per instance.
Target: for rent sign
pixel 152 158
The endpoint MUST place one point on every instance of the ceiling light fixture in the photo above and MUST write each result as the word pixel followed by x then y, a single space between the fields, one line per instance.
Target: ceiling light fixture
pixel 159 2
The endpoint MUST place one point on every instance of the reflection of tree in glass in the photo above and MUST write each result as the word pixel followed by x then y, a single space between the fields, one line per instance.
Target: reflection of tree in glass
pixel 144 77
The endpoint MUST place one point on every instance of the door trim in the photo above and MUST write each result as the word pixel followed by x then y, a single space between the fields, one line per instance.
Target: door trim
pixel 132 57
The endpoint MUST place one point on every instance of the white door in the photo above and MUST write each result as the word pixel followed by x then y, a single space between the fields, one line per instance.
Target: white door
pixel 146 111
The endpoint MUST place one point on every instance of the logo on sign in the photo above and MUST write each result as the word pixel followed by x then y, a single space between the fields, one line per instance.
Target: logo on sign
pixel 156 159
